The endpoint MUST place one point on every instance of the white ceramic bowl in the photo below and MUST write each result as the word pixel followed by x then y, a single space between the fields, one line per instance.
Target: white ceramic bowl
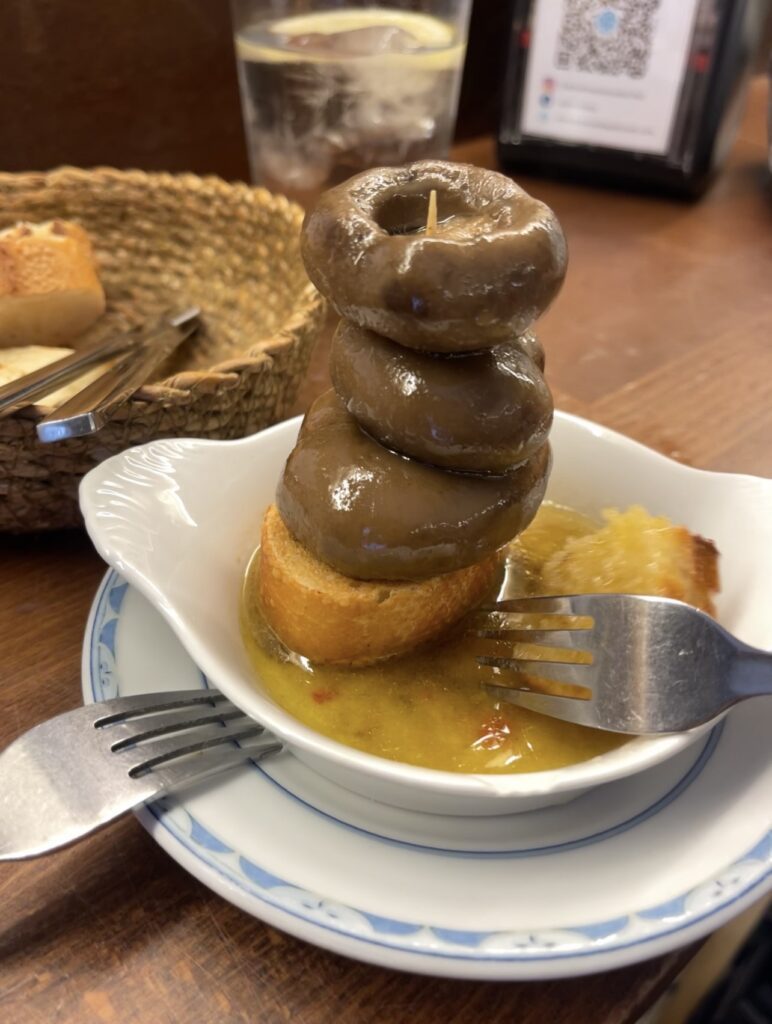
pixel 180 519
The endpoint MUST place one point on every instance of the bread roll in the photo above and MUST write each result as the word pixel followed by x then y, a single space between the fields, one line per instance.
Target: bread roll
pixel 329 617
pixel 49 290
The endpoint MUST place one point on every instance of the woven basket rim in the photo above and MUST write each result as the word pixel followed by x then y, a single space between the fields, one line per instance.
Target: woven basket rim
pixel 177 388
pixel 69 172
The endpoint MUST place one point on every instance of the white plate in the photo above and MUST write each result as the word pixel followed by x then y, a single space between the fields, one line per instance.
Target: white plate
pixel 180 520
pixel 628 871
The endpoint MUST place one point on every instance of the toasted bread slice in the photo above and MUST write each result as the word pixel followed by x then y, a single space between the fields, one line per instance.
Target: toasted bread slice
pixel 49 290
pixel 319 613
pixel 637 553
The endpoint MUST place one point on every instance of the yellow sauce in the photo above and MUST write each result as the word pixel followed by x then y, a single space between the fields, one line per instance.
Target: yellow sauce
pixel 429 707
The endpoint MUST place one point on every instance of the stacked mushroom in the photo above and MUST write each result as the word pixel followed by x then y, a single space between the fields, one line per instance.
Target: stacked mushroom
pixel 431 451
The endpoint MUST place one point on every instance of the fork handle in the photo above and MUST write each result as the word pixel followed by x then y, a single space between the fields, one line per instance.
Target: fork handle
pixel 751 673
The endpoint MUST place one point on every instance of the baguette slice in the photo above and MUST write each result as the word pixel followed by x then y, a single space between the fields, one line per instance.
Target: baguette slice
pixel 319 613
pixel 49 290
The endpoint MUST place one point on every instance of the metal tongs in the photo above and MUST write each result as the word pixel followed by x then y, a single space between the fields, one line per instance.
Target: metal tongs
pixel 136 353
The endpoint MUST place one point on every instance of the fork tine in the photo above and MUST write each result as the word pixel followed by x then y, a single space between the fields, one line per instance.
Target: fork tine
pixel 125 708
pixel 555 605
pixel 569 709
pixel 566 674
pixel 554 637
pixel 516 654
pixel 531 622
pixel 165 724
pixel 552 662
pixel 175 775
pixel 157 752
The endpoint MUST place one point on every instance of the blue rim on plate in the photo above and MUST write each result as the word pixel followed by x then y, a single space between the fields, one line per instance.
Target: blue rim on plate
pixel 696 911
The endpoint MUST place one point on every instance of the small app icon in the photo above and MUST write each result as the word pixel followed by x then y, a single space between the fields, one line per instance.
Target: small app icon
pixel 606 22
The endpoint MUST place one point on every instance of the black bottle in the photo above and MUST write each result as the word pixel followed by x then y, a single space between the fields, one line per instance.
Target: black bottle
pixel 634 93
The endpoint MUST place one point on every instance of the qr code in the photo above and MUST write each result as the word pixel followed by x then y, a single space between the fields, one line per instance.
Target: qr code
pixel 607 38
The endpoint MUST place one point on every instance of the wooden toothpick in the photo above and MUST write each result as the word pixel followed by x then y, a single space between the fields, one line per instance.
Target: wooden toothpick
pixel 431 216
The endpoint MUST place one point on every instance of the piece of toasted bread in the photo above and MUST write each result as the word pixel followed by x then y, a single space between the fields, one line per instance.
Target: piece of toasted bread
pixel 319 613
pixel 50 293
pixel 637 553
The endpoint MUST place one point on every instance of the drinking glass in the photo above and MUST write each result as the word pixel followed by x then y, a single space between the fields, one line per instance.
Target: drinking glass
pixel 332 87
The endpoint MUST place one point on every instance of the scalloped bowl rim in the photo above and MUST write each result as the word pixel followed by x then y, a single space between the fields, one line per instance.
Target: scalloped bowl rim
pixel 637 755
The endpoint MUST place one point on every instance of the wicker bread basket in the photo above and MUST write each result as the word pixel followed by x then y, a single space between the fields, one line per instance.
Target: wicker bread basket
pixel 165 241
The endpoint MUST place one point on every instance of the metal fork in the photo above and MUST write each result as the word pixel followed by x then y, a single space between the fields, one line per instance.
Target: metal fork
pixel 619 662
pixel 68 776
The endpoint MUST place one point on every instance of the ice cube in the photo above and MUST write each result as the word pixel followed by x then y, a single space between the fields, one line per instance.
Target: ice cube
pixel 356 42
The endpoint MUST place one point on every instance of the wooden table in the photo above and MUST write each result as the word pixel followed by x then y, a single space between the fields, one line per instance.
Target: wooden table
pixel 663 330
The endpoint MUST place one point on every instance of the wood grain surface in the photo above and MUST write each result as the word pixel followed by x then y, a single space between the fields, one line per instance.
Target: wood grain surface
pixel 664 331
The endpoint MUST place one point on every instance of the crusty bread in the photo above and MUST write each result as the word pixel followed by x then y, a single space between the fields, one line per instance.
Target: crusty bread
pixel 637 553
pixel 330 618
pixel 49 290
